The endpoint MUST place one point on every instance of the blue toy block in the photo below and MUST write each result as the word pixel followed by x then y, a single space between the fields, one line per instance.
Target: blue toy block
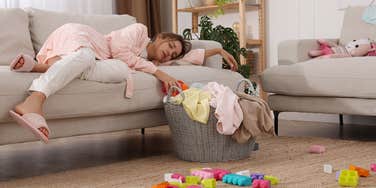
pixel 236 179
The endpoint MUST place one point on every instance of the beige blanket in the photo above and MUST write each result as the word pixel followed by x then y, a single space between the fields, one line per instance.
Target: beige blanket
pixel 257 118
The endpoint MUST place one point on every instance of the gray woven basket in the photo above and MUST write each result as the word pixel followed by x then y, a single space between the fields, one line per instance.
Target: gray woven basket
pixel 194 141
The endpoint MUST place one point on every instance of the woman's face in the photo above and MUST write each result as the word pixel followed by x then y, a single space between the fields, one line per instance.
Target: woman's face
pixel 166 49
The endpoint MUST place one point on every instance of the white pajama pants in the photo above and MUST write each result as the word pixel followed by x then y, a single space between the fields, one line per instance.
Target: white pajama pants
pixel 80 64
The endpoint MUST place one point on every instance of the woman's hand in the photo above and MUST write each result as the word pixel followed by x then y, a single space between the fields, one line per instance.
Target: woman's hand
pixel 156 63
pixel 167 80
pixel 230 60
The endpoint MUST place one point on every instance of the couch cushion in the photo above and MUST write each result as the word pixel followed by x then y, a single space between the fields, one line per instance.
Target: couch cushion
pixel 346 77
pixel 43 23
pixel 354 27
pixel 86 98
pixel 14 35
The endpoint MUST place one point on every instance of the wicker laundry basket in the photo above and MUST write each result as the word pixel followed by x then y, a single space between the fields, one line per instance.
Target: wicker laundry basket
pixel 198 142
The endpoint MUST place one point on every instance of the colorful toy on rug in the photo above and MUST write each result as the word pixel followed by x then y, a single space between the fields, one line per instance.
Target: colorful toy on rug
pixel 208 177
pixel 328 168
pixel 373 167
pixel 210 173
pixel 355 48
pixel 209 183
pixel 161 185
pixel 194 180
pixel 316 149
pixel 236 179
pixel 183 87
pixel 257 176
pixel 348 178
pixel 337 174
pixel 244 173
pixel 361 171
pixel 261 184
pixel 273 180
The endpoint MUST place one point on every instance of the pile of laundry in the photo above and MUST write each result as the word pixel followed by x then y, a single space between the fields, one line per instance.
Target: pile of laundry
pixel 241 115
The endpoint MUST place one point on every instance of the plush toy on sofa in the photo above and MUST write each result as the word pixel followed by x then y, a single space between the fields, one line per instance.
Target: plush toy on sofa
pixel 355 48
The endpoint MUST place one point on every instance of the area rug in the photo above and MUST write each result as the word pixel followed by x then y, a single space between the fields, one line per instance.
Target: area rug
pixel 284 157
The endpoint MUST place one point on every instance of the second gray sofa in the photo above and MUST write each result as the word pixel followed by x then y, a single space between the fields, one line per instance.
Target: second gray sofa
pixel 333 86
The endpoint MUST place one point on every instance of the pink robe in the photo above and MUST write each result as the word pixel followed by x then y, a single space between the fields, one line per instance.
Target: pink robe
pixel 125 44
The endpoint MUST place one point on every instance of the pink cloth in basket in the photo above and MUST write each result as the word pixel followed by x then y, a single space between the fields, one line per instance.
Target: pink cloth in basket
pixel 227 108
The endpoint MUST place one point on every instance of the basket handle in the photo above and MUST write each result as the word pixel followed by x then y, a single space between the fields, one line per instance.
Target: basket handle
pixel 172 88
pixel 251 87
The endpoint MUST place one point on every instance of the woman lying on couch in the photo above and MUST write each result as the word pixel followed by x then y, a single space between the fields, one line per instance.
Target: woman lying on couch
pixel 78 51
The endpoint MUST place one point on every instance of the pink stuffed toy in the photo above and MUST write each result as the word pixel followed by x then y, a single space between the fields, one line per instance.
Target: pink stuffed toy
pixel 355 48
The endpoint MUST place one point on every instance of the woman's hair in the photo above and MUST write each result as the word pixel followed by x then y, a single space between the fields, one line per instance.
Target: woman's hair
pixel 186 45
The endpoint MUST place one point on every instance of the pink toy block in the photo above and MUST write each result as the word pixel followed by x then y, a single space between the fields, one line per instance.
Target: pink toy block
pixel 373 167
pixel 172 186
pixel 218 173
pixel 261 184
pixel 204 174
pixel 178 176
pixel 316 149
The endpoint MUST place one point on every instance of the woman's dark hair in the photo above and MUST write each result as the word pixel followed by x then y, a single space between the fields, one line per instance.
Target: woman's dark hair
pixel 186 45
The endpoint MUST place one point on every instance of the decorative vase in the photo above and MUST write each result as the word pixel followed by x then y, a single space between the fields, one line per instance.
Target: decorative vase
pixel 208 2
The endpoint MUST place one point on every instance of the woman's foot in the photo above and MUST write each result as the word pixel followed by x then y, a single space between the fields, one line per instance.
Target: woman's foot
pixel 22 63
pixel 33 104
pixel 19 64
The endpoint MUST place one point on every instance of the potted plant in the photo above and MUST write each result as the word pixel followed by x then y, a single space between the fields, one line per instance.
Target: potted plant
pixel 224 35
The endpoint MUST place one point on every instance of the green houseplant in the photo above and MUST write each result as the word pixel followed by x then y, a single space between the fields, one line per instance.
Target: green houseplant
pixel 224 35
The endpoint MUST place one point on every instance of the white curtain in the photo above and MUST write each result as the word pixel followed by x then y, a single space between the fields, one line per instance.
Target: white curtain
pixel 73 6
pixel 342 4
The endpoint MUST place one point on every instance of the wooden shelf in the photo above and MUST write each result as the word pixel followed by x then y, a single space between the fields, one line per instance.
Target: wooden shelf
pixel 242 7
pixel 214 7
pixel 253 42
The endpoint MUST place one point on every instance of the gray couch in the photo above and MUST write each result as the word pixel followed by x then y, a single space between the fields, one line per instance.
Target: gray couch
pixel 85 107
pixel 333 86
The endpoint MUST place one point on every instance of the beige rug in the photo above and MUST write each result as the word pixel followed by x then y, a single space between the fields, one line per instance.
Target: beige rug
pixel 283 157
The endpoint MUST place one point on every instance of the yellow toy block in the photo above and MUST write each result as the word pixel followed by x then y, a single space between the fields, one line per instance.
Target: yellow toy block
pixel 209 183
pixel 194 180
pixel 273 180
pixel 348 178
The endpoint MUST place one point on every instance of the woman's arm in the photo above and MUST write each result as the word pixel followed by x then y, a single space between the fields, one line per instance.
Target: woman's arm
pixel 167 80
pixel 230 60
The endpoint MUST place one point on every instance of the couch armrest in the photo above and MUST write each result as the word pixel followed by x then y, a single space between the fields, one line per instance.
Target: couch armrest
pixel 295 51
pixel 213 61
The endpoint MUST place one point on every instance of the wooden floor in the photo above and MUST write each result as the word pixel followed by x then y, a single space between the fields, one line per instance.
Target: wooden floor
pixel 34 158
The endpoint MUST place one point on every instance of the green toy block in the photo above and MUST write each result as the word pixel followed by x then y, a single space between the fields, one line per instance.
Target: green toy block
pixel 193 180
pixel 180 185
pixel 349 178
pixel 273 180
pixel 209 183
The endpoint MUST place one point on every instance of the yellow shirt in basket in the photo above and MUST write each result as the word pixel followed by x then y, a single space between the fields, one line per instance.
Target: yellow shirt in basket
pixel 196 104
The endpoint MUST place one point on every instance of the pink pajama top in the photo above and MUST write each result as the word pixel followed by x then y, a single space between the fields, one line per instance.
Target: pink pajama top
pixel 125 44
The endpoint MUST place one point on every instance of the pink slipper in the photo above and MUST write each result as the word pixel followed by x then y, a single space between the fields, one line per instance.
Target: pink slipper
pixel 35 122
pixel 29 63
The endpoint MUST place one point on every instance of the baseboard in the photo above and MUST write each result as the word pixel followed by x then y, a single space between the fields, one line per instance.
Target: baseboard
pixel 329 118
